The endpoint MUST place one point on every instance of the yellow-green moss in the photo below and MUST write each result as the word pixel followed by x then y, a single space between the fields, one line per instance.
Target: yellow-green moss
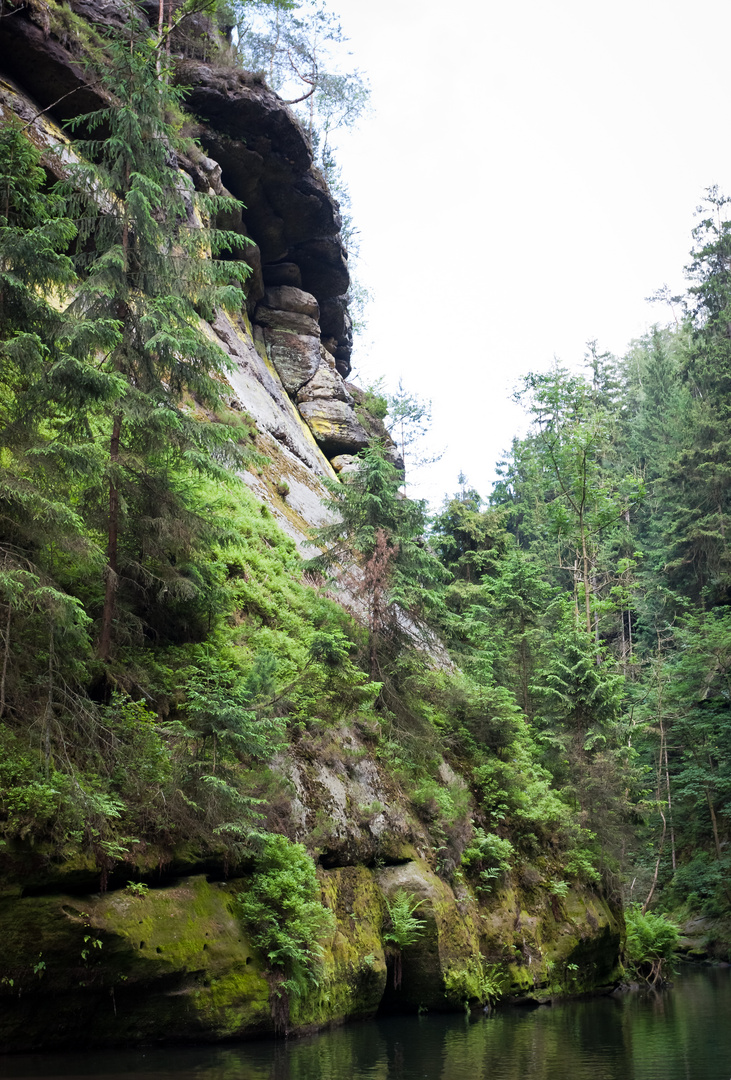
pixel 174 962
pixel 354 966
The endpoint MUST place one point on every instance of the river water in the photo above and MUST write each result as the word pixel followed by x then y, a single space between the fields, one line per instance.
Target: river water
pixel 683 1033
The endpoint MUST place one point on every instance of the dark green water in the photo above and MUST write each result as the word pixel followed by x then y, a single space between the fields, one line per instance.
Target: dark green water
pixel 681 1034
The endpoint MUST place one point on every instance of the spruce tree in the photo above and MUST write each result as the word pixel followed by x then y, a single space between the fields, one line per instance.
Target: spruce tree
pixel 383 533
pixel 147 258
pixel 701 563
pixel 42 538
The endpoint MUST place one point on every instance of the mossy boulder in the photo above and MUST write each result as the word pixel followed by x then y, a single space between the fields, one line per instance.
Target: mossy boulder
pixel 353 974
pixel 123 968
pixel 545 947
pixel 450 940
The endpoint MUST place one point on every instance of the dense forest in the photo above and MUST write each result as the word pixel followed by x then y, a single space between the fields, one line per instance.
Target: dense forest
pixel 564 642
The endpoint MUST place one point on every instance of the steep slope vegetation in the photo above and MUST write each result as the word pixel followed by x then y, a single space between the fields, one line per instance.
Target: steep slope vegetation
pixel 272 802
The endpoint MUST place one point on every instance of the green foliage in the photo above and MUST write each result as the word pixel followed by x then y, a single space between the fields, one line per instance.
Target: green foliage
pixel 282 913
pixel 700 884
pixel 409 420
pixel 145 278
pixel 490 856
pixel 219 701
pixel 469 541
pixel 296 44
pixel 404 928
pixel 34 235
pixel 581 862
pixel 474 982
pixel 383 534
pixel 158 644
pixel 652 944
pixel 137 888
pixel 374 400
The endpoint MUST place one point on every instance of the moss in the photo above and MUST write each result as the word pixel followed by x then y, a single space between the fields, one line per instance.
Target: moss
pixel 354 965
pixel 450 939
pixel 75 33
pixel 173 963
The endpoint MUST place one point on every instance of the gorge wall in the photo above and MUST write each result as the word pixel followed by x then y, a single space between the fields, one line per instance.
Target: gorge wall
pixel 170 960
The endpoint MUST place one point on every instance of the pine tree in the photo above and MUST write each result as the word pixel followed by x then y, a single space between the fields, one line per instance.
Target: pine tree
pixel 701 563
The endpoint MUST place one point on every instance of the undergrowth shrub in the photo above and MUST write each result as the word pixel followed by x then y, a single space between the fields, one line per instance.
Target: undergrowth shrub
pixel 651 946
pixel 490 856
pixel 702 884
pixel 283 915
pixel 473 982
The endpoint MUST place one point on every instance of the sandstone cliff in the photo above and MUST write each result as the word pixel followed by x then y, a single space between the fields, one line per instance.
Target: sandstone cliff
pixel 172 961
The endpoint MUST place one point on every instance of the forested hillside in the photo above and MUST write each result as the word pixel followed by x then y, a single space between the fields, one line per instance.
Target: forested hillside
pixel 612 595
pixel 423 767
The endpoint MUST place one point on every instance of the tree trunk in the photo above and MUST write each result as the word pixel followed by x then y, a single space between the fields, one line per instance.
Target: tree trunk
pixel 670 807
pixel 48 710
pixel 714 823
pixel 105 638
pixel 6 653
pixel 622 643
pixel 586 576
pixel 657 865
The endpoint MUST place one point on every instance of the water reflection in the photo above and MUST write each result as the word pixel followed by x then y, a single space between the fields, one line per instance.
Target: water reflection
pixel 680 1035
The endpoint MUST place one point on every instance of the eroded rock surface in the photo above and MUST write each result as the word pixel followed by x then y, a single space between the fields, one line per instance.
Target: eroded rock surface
pixel 254 147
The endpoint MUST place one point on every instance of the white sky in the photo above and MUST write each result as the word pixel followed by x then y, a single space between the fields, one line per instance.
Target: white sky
pixel 527 177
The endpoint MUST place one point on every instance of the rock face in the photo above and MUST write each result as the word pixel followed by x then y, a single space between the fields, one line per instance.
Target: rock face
pixel 288 317
pixel 173 963
pixel 255 149
pixel 295 356
pixel 335 425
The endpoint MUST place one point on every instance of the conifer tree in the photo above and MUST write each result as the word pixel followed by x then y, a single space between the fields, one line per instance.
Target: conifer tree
pixel 701 563
pixel 384 534
pixel 42 536
pixel 147 258
pixel 567 485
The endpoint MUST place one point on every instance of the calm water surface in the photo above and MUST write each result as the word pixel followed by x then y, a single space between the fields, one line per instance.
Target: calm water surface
pixel 681 1034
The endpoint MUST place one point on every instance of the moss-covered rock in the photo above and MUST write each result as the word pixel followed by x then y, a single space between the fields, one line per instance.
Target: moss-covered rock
pixel 450 940
pixel 173 963
pixel 544 947
pixel 116 968
pixel 354 965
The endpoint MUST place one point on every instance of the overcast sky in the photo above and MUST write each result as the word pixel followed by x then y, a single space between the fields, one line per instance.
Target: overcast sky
pixel 527 177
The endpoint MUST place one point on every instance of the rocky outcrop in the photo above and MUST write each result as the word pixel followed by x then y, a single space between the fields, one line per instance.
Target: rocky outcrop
pixel 173 963
pixel 288 317
pixel 170 960
pixel 335 425
pixel 254 148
